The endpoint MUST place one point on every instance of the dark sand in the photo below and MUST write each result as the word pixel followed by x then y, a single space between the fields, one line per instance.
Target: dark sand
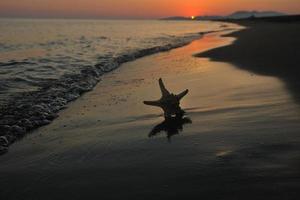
pixel 243 142
pixel 268 48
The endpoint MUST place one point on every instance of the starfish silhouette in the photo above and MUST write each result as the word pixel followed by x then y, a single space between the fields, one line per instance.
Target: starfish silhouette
pixel 170 103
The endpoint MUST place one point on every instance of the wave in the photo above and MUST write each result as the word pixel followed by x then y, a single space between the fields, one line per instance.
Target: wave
pixel 14 63
pixel 30 110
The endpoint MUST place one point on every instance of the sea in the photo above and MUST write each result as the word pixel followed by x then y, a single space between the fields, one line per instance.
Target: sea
pixel 36 53
pixel 46 63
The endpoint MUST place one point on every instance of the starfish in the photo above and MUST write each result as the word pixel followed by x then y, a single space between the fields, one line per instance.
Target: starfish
pixel 169 102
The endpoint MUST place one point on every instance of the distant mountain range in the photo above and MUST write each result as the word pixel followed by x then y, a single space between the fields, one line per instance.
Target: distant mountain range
pixel 249 14
pixel 235 15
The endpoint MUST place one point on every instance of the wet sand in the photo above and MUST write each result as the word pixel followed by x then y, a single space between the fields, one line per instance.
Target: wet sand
pixel 266 47
pixel 242 141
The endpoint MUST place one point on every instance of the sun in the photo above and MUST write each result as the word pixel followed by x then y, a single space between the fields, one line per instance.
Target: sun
pixel 192 17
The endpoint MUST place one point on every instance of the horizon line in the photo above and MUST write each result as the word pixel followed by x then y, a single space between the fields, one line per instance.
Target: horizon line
pixel 126 18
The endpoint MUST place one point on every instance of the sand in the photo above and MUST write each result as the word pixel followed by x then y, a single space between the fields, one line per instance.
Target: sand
pixel 242 141
pixel 267 48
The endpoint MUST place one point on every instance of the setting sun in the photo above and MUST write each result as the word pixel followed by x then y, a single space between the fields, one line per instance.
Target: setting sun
pixel 192 17
pixel 137 8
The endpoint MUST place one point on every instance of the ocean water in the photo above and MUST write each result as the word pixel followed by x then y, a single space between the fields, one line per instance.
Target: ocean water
pixel 44 64
pixel 35 53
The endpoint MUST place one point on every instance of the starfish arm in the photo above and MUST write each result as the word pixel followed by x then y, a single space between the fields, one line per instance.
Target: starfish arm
pixel 182 94
pixel 153 103
pixel 163 89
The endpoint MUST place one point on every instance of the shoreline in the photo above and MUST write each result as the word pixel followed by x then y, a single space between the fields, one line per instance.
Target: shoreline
pixel 243 141
pixel 40 108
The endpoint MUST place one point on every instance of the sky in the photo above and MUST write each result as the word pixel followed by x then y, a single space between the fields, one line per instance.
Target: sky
pixel 137 8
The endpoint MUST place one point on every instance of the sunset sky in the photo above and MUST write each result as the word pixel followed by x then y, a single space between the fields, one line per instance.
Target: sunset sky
pixel 138 8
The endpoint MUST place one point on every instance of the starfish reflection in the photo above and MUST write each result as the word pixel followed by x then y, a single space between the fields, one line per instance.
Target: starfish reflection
pixel 171 126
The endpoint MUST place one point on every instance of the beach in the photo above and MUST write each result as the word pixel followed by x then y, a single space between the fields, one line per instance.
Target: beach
pixel 268 47
pixel 239 138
